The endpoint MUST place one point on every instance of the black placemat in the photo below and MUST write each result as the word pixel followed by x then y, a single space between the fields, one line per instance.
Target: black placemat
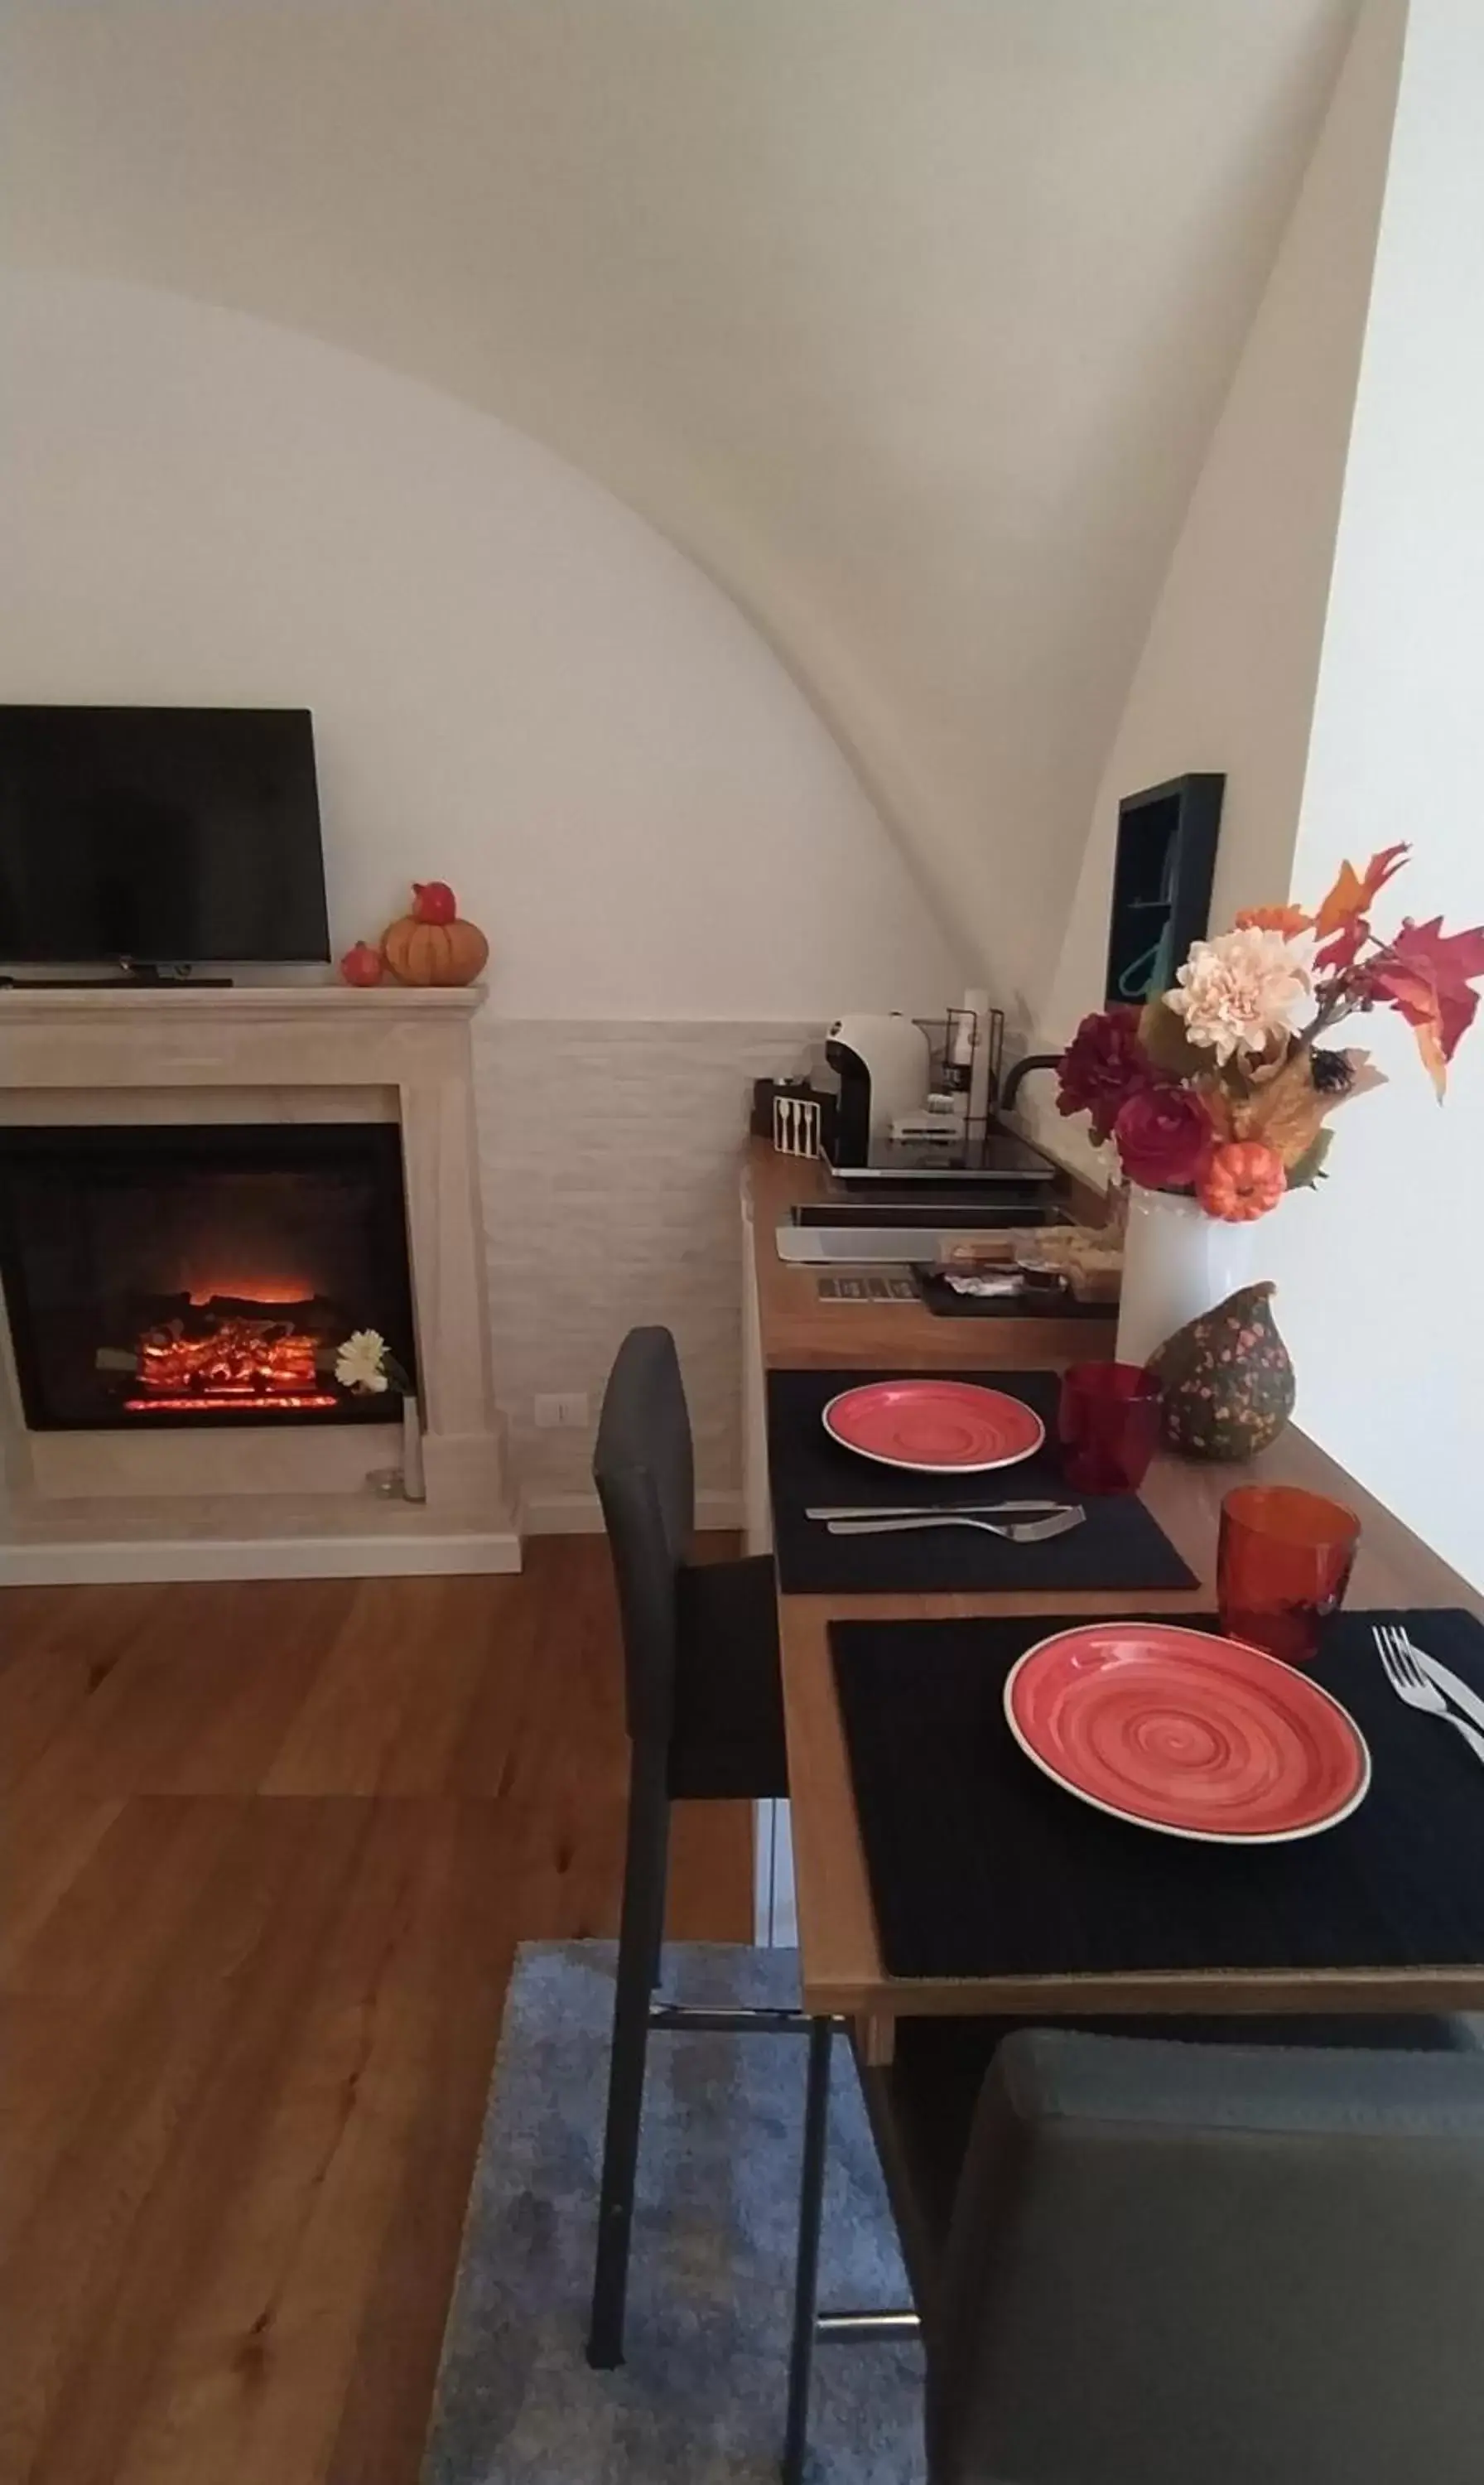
pixel 945 1303
pixel 1118 1545
pixel 979 1865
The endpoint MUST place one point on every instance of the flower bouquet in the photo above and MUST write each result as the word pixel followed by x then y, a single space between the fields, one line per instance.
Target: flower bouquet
pixel 1221 1088
pixel 1218 1096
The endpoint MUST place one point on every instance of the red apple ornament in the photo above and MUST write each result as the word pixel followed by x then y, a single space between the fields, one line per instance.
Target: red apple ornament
pixel 433 901
pixel 363 965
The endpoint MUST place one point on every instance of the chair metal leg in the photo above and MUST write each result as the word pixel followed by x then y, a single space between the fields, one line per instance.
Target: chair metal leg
pixel 640 1929
pixel 660 1863
pixel 806 2276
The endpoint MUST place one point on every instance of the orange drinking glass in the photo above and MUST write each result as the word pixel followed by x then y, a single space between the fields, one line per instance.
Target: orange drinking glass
pixel 1283 1565
pixel 1108 1423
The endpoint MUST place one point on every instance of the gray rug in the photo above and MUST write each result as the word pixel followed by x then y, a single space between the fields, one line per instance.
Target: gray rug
pixel 701 2396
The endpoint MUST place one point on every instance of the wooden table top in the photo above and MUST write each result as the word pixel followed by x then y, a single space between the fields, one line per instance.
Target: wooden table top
pixel 840 1956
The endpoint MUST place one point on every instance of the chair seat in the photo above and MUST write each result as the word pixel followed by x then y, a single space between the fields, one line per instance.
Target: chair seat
pixel 922 2105
pixel 727 1738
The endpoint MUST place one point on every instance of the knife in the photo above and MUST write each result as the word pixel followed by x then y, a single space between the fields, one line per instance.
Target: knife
pixel 1463 1698
pixel 941 1510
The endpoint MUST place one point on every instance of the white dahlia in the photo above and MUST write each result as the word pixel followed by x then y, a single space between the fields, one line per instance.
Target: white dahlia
pixel 361 1362
pixel 1239 991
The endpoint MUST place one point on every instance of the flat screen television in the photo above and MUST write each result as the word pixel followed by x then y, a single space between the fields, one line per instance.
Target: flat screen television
pixel 159 836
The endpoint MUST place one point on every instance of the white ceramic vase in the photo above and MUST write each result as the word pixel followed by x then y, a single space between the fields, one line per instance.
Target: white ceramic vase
pixel 1178 1263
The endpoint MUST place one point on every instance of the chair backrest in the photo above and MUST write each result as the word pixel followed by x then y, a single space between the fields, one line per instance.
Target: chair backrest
pixel 1172 2262
pixel 643 1467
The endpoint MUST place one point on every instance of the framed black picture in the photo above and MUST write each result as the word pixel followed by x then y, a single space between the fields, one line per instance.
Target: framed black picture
pixel 1164 864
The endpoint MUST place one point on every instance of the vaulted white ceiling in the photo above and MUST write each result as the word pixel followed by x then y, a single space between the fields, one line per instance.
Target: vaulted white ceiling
pixel 910 322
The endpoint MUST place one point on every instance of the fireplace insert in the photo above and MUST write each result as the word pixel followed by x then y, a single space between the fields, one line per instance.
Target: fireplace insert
pixel 173 1273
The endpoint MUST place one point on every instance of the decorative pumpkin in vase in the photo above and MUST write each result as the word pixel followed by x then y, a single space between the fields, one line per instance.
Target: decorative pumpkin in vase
pixel 433 944
pixel 1227 1383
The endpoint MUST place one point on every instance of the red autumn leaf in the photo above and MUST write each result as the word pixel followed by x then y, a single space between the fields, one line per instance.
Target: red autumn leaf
pixel 1345 946
pixel 1355 893
pixel 1427 975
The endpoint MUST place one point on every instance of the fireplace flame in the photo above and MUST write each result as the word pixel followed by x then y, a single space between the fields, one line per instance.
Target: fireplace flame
pixel 206 1291
pixel 238 1363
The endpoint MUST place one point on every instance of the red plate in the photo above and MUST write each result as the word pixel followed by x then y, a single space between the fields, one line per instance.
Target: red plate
pixel 1179 1730
pixel 934 1426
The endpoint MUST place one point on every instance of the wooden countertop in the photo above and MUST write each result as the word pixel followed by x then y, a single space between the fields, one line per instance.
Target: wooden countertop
pixel 841 1963
pixel 801 1333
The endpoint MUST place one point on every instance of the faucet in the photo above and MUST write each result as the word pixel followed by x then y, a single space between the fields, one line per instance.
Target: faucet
pixel 1028 1062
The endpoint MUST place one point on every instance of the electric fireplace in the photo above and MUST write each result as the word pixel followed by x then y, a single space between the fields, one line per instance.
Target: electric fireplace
pixel 190 1274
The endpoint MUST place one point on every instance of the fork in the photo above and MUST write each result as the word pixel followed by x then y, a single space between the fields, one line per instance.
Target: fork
pixel 1411 1685
pixel 1025 1531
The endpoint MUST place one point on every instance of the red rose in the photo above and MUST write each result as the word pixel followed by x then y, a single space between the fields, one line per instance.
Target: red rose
pixel 1103 1066
pixel 1163 1136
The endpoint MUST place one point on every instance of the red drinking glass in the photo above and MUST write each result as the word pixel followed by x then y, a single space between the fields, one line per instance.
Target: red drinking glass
pixel 1108 1424
pixel 1283 1565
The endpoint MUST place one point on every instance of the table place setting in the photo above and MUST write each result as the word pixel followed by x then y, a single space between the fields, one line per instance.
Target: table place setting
pixel 1009 1773
pixel 895 1484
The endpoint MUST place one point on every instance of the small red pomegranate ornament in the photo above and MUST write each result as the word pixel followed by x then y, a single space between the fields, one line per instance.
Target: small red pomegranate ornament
pixel 433 901
pixel 363 965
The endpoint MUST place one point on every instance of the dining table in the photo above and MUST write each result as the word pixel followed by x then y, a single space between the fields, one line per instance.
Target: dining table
pixel 844 1971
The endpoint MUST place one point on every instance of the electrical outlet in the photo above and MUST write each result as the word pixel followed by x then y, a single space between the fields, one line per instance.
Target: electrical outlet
pixel 563 1411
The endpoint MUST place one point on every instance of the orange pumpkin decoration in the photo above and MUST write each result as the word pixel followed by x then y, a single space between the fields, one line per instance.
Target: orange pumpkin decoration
pixel 1242 1179
pixel 434 953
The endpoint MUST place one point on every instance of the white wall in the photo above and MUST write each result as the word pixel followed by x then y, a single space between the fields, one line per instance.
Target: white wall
pixel 1226 677
pixel 909 322
pixel 516 685
pixel 1380 1274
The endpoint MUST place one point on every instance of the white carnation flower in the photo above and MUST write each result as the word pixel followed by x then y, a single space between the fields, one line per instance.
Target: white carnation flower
pixel 358 1363
pixel 1239 991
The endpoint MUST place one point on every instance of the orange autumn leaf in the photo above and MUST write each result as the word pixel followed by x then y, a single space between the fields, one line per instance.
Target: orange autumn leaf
pixel 1283 1110
pixel 1355 893
pixel 1289 920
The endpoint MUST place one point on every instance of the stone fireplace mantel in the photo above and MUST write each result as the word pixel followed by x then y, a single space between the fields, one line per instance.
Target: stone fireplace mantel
pixel 256 1502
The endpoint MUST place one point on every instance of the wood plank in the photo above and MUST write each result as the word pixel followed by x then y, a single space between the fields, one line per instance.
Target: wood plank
pixel 80 2250
pixel 163 1690
pixel 319 2106
pixel 53 1662
pixel 351 1734
pixel 259 1948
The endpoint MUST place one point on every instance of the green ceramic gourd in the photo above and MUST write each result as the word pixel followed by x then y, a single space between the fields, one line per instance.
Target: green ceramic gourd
pixel 1228 1386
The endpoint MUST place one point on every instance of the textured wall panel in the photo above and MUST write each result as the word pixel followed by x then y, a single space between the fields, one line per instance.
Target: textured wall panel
pixel 609 1155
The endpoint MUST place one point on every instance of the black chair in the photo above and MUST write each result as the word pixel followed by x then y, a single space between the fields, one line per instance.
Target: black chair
pixel 1137 2261
pixel 705 1719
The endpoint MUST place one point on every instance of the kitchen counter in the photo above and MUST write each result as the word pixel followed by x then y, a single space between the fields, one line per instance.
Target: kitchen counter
pixel 799 1331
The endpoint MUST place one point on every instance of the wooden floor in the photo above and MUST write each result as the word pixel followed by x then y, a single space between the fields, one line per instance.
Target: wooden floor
pixel 268 1849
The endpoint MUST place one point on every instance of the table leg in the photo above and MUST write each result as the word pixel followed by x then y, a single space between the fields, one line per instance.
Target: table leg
pixel 876 2038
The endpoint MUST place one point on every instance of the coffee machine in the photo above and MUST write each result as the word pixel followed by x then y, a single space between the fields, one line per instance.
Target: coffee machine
pixel 883 1065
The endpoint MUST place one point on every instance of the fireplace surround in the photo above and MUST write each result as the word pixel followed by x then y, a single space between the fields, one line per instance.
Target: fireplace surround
pixel 180 1158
